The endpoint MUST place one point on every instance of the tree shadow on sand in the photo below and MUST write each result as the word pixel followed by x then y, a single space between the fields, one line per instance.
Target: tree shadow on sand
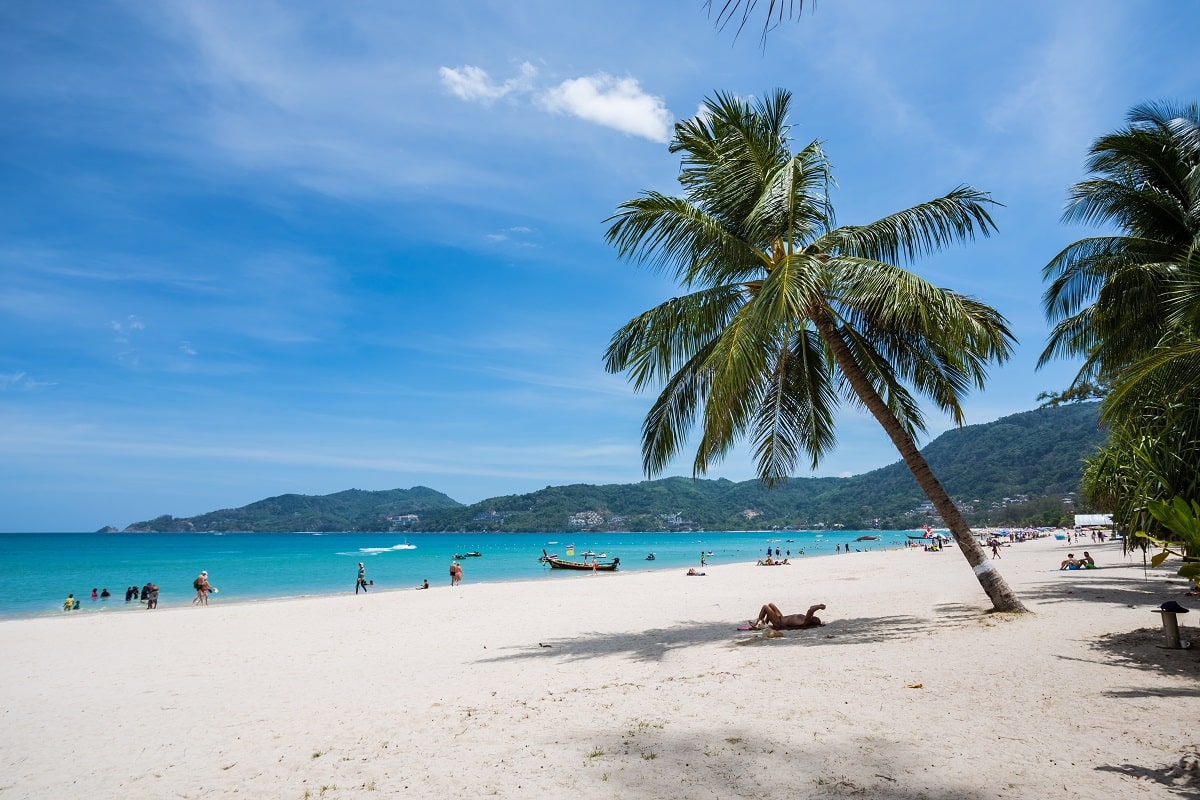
pixel 1126 585
pixel 1143 649
pixel 648 759
pixel 1182 777
pixel 652 645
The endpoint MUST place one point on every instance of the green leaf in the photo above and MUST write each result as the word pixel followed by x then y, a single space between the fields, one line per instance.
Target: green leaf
pixel 1190 571
pixel 1159 558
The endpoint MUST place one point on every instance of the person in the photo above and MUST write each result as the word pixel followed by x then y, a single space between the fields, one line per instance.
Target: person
pixel 1087 562
pixel 128 593
pixel 104 593
pixel 1070 563
pixel 771 615
pixel 362 578
pixel 839 548
pixel 146 592
pixel 455 573
pixel 201 585
pixel 94 594
pixel 152 597
pixel 424 584
pixel 995 543
pixel 694 572
pixel 69 603
pixel 703 563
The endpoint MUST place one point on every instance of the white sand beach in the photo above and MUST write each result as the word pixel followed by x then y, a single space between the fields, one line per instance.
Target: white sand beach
pixel 635 685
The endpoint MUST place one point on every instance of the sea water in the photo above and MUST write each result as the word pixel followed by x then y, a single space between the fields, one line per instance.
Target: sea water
pixel 38 570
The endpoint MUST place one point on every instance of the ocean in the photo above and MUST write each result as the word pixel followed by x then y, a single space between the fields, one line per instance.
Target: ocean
pixel 38 570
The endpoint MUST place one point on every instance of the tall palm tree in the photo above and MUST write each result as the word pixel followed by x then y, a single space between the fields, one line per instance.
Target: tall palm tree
pixel 1117 299
pixel 1128 304
pixel 787 315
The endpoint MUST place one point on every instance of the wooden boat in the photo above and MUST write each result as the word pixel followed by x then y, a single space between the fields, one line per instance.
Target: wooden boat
pixel 557 563
pixel 867 539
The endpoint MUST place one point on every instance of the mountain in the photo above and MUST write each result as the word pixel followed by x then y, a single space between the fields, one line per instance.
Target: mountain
pixel 1014 470
pixel 351 510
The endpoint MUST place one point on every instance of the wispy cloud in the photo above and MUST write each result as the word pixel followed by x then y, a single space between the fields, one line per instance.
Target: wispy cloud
pixel 474 84
pixel 124 330
pixel 617 103
pixel 20 380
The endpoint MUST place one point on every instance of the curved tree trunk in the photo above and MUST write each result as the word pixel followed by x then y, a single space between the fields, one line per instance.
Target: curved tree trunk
pixel 993 583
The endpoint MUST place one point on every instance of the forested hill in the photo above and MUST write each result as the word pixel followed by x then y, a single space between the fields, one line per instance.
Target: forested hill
pixel 1015 470
pixel 352 510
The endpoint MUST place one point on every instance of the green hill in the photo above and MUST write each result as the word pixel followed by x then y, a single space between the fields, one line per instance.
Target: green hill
pixel 1014 470
pixel 351 510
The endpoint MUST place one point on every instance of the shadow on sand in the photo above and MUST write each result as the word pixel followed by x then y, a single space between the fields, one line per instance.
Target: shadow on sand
pixel 652 645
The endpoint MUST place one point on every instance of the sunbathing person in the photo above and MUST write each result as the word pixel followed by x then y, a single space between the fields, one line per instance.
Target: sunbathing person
pixel 1070 562
pixel 771 615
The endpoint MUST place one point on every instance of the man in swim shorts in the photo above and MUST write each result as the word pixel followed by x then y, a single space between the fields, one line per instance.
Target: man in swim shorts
pixel 771 615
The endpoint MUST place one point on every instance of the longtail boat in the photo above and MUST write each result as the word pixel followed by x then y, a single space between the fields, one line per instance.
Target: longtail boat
pixel 557 563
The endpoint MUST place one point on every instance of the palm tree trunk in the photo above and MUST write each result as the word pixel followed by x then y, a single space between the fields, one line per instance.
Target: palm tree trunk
pixel 993 583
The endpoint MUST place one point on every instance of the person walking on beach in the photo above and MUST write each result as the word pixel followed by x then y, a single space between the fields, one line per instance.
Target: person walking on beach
pixel 995 548
pixel 362 578
pixel 202 587
pixel 455 573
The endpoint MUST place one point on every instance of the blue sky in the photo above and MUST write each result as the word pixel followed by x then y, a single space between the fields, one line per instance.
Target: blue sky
pixel 250 248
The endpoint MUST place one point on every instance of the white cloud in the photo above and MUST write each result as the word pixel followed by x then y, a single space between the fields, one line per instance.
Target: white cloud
pixel 474 84
pixel 617 103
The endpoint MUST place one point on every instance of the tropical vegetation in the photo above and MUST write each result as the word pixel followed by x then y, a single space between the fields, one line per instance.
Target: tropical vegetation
pixel 1128 304
pixel 787 315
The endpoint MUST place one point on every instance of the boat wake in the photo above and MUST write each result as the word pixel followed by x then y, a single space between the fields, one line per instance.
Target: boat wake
pixel 377 550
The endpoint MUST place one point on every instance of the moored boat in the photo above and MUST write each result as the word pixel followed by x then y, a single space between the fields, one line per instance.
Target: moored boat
pixel 557 563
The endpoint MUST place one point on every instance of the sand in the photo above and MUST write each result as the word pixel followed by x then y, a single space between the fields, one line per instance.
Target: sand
pixel 624 685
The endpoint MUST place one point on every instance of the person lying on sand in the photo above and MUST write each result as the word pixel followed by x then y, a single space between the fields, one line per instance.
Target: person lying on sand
pixel 771 615
pixel 694 572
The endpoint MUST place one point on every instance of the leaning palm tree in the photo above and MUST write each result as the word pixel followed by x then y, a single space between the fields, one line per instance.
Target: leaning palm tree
pixel 787 315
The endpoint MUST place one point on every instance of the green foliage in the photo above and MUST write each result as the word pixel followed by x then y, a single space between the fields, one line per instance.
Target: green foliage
pixel 1182 519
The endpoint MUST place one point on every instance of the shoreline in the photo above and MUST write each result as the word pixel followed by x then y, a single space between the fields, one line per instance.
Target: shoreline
pixel 642 687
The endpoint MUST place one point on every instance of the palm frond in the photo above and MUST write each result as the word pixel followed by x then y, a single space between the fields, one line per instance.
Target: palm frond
pixel 657 342
pixel 925 228
pixel 796 414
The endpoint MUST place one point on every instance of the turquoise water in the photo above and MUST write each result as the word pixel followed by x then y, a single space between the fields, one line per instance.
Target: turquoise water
pixel 38 570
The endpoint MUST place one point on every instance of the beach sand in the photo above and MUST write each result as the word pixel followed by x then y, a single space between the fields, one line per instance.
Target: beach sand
pixel 634 685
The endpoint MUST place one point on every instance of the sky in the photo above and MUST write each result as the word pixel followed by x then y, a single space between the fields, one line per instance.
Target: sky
pixel 251 248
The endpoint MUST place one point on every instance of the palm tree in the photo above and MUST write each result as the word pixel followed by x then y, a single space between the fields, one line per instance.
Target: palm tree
pixel 787 315
pixel 1117 299
pixel 1128 304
